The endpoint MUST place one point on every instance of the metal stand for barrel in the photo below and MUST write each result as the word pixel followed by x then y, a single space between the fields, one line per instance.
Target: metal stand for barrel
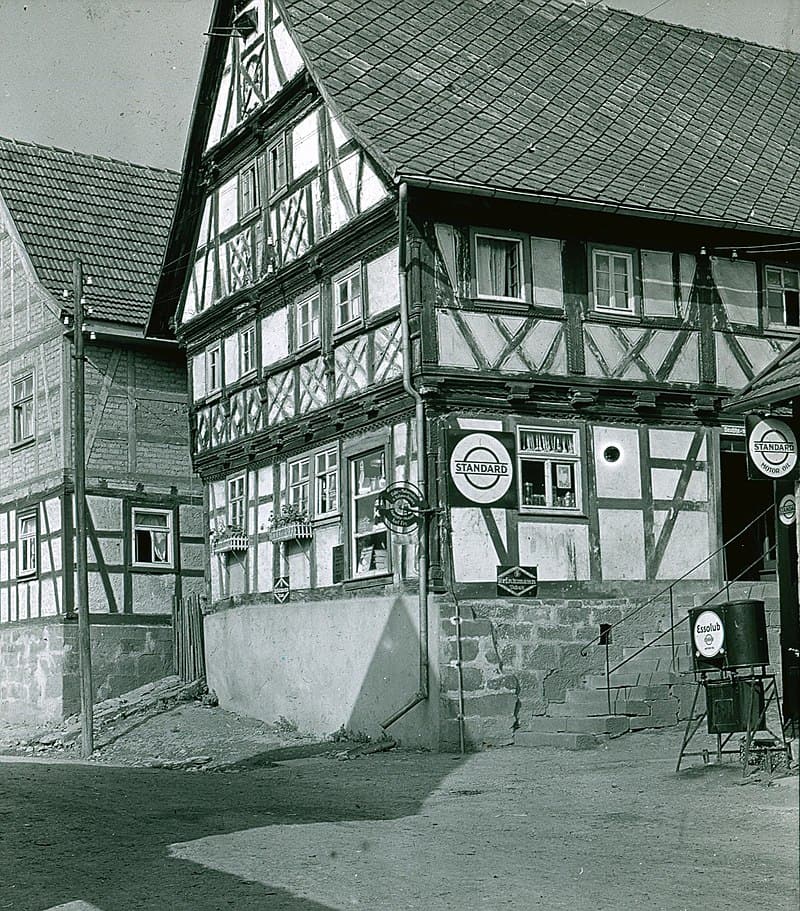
pixel 753 726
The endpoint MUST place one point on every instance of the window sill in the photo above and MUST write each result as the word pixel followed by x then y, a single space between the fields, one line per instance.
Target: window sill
pixel 343 333
pixel 22 444
pixel 535 511
pixel 615 314
pixel 356 582
pixel 159 569
pixel 27 577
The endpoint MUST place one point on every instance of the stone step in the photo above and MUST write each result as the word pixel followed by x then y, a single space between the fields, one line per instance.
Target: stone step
pixel 614 725
pixel 562 739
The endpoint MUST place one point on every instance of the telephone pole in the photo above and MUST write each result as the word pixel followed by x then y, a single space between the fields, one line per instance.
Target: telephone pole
pixel 84 638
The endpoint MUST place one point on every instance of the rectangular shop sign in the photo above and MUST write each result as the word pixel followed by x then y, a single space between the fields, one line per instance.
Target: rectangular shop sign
pixel 517 581
pixel 481 469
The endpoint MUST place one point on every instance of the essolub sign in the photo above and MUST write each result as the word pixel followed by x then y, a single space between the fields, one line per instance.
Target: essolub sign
pixel 771 449
pixel 481 469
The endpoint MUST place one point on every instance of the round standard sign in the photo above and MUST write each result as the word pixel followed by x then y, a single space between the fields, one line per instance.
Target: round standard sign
pixel 773 448
pixel 481 468
pixel 787 509
pixel 709 634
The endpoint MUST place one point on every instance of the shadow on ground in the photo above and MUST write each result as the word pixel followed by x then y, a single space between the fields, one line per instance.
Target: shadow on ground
pixel 101 835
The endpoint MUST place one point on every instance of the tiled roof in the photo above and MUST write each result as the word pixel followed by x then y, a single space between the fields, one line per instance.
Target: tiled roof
pixel 565 99
pixel 777 384
pixel 113 215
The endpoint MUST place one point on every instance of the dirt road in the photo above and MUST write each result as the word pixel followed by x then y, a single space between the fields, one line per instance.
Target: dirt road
pixel 613 828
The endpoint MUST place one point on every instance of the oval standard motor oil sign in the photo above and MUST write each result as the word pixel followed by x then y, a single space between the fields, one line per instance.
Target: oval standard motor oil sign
pixel 771 449
pixel 708 634
pixel 481 469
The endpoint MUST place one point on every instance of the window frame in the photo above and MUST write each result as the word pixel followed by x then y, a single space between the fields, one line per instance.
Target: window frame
pixel 251 350
pixel 300 302
pixel 768 323
pixel 353 497
pixel 303 481
pixel 217 349
pixel 630 256
pixel 576 459
pixel 524 264
pixel 239 498
pixel 153 510
pixel 29 572
pixel 326 472
pixel 347 275
pixel 18 407
pixel 248 172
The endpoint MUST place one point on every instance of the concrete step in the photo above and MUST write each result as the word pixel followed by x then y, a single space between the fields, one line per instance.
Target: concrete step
pixel 562 739
pixel 614 725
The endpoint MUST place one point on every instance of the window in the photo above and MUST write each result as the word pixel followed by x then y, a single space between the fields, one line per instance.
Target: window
pixel 22 409
pixel 549 468
pixel 783 297
pixel 213 369
pixel 27 545
pixel 347 298
pixel 247 350
pixel 307 320
pixel 276 158
pixel 248 191
pixel 613 281
pixel 299 485
pixel 237 516
pixel 368 535
pixel 152 537
pixel 498 267
pixel 326 481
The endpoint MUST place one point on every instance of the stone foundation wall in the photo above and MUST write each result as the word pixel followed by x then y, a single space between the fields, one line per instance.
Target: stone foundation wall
pixel 39 664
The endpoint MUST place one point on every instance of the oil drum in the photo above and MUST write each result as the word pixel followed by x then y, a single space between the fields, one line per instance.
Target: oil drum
pixel 745 634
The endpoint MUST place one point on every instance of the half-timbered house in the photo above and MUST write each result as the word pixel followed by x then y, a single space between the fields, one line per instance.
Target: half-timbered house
pixel 567 224
pixel 144 506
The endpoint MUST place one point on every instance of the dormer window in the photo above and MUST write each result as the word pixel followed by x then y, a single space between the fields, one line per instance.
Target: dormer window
pixel 783 297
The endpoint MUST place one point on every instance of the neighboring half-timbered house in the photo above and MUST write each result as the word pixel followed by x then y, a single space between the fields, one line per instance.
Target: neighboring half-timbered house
pixel 145 535
pixel 587 215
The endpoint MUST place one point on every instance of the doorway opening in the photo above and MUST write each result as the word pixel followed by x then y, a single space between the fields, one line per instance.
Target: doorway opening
pixel 751 556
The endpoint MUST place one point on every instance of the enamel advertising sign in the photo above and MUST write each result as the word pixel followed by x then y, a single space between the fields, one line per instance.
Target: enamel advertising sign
pixel 481 469
pixel 771 449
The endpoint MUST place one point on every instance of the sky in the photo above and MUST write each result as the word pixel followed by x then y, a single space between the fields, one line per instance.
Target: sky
pixel 118 77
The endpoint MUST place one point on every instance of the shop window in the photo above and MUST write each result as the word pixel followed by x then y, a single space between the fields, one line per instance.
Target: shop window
pixel 152 537
pixel 27 545
pixel 499 267
pixel 307 316
pixel 347 298
pixel 368 534
pixel 298 488
pixel 22 409
pixel 237 503
pixel 613 281
pixel 549 469
pixel 783 297
pixel 326 482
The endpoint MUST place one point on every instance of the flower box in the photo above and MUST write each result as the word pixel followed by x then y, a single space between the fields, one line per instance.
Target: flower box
pixel 299 531
pixel 228 543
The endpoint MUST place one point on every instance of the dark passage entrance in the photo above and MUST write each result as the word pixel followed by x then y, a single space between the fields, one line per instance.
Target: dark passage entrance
pixel 752 555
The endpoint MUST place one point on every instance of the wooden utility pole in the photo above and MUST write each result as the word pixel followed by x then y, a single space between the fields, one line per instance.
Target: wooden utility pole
pixel 82 588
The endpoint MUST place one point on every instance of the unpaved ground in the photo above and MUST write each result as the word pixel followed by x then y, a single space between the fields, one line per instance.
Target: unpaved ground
pixel 614 828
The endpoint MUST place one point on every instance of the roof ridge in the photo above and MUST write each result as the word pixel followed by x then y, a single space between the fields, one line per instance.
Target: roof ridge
pixel 89 155
pixel 680 26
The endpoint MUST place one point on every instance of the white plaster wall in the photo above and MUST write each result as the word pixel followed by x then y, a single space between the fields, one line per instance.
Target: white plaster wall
pixel 620 479
pixel 621 544
pixel 560 552
pixel 474 555
pixel 325 664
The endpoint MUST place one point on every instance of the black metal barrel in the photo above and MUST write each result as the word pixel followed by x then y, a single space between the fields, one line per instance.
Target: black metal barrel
pixel 745 634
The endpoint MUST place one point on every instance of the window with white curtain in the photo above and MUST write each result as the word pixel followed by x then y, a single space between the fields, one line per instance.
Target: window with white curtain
pixel 152 537
pixel 499 267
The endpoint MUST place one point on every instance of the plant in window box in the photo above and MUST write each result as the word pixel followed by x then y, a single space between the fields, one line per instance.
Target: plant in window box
pixel 227 538
pixel 290 523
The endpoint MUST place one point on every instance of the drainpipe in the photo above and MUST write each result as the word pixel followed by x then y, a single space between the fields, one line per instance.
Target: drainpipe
pixel 419 416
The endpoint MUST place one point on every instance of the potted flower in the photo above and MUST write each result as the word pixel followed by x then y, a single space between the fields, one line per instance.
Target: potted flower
pixel 289 523
pixel 227 538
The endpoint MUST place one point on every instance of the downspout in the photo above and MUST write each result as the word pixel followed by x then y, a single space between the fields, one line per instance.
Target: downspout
pixel 419 416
